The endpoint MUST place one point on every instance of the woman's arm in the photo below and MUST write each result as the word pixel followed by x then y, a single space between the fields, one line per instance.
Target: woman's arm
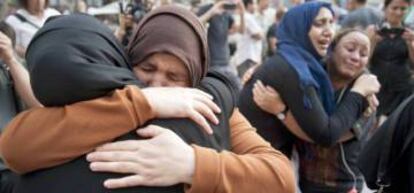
pixel 18 73
pixel 269 100
pixel 52 136
pixel 79 128
pixel 252 166
pixel 322 128
pixel 164 159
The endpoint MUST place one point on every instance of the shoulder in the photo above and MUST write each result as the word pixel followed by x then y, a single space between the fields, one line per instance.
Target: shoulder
pixel 13 21
pixel 51 12
pixel 276 67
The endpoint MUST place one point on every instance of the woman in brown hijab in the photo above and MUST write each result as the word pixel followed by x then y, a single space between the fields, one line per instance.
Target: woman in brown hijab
pixel 162 56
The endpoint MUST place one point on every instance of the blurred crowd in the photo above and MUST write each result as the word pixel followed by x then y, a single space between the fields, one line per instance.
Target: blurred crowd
pixel 334 79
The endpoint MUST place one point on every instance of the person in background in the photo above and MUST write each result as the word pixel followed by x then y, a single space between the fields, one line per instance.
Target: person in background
pixel 27 20
pixel 14 85
pixel 393 57
pixel 219 17
pixel 265 14
pixel 250 44
pixel 271 32
pixel 360 15
pixel 80 6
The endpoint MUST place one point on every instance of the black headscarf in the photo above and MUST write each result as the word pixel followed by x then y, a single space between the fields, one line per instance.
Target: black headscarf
pixel 75 58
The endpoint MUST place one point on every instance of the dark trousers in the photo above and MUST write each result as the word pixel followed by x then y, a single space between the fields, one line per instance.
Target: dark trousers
pixel 7 181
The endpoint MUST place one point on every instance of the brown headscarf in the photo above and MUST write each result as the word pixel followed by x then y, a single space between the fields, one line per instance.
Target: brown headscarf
pixel 173 30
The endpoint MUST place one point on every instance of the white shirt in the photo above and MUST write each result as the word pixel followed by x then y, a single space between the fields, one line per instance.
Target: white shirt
pixel 267 18
pixel 247 47
pixel 24 30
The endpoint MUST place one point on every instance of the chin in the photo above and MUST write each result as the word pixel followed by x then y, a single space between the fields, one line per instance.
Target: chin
pixel 322 53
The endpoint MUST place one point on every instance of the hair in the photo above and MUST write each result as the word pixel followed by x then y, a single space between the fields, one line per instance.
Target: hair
pixel 387 2
pixel 361 1
pixel 8 31
pixel 25 3
pixel 280 12
pixel 342 33
pixel 247 2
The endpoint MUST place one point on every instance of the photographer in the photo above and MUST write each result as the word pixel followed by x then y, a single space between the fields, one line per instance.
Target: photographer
pixel 129 16
pixel 393 57
pixel 219 17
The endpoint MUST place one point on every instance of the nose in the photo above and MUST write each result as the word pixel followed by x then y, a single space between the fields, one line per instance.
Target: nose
pixel 158 81
pixel 329 31
pixel 355 58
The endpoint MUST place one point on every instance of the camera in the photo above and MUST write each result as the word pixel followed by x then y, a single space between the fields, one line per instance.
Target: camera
pixel 136 9
pixel 386 30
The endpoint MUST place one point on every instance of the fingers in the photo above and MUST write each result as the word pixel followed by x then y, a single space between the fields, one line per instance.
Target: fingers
pixel 150 131
pixel 207 112
pixel 373 104
pixel 129 181
pixel 248 75
pixel 200 92
pixel 374 100
pixel 200 120
pixel 208 101
pixel 128 145
pixel 116 167
pixel 204 109
pixel 113 156
pixel 256 93
pixel 260 88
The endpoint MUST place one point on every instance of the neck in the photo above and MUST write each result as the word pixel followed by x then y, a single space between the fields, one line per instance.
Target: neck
pixel 37 13
pixel 338 81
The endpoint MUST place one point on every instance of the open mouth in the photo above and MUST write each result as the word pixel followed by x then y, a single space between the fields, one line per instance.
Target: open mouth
pixel 324 44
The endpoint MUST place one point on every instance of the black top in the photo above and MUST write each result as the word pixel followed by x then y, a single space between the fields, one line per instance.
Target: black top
pixel 218 30
pixel 75 176
pixel 323 169
pixel 323 129
pixel 391 63
pixel 391 150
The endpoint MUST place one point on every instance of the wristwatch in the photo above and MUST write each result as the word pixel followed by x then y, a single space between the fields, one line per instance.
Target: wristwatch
pixel 282 115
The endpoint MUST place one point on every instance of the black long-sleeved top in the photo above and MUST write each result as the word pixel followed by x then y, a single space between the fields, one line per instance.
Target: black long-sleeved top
pixel 395 140
pixel 316 123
